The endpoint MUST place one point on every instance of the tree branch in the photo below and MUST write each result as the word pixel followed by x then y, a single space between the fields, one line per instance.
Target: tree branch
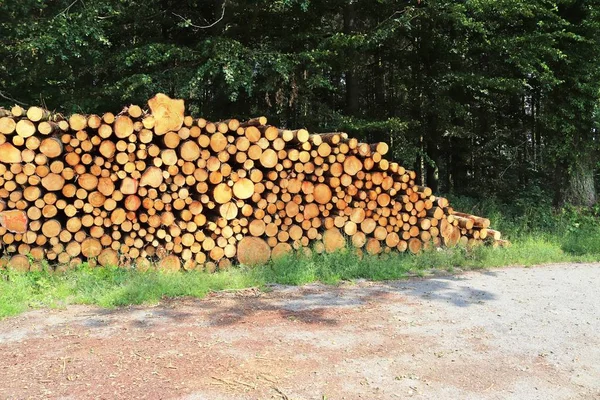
pixel 3 95
pixel 66 10
pixel 205 26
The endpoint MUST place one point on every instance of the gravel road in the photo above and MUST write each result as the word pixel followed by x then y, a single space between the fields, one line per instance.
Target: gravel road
pixel 513 333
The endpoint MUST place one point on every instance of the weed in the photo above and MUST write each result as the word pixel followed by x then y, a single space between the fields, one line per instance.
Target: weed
pixel 539 235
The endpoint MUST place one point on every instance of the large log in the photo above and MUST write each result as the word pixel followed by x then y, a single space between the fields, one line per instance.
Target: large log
pixel 168 113
pixel 14 221
pixel 253 251
pixel 333 240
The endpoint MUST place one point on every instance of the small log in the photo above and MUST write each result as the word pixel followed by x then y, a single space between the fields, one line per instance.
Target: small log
pixel 37 114
pixel 51 147
pixel 78 122
pixel 91 247
pixel 322 193
pixel 243 188
pixel 25 128
pixel 281 250
pixel 108 258
pixel 9 154
pixel 494 234
pixel 48 127
pixel 415 245
pixel 258 121
pixel 51 228
pixel 88 182
pixel 128 186
pixel 152 177
pixel 189 151
pixel 53 182
pixel 222 193
pixel 373 246
pixel 7 125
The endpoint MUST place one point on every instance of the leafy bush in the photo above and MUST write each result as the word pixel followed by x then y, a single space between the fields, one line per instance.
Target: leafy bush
pixel 582 239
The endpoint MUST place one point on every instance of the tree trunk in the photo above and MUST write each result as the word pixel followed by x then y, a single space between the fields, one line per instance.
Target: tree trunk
pixel 579 187
pixel 433 141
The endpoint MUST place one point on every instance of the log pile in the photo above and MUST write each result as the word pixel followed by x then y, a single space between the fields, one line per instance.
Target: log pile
pixel 157 186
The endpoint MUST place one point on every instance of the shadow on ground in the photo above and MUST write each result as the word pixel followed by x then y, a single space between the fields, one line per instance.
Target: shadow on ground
pixel 309 304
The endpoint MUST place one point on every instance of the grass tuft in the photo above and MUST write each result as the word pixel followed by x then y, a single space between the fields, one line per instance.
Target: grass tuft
pixel 538 237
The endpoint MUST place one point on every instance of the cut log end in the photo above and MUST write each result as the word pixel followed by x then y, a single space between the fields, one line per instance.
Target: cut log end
pixel 253 251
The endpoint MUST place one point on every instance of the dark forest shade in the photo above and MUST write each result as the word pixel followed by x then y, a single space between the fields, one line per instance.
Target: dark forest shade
pixel 480 97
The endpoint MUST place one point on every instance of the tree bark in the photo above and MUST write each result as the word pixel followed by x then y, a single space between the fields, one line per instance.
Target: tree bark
pixel 579 187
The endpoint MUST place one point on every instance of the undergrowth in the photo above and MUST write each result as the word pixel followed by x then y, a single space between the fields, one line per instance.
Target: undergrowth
pixel 538 234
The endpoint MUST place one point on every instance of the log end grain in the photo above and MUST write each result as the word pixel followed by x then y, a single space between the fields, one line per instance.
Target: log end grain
pixel 168 113
pixel 14 221
pixel 333 240
pixel 18 262
pixel 170 263
pixel 253 251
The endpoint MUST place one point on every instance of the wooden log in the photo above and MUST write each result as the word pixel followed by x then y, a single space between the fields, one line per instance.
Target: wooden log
pixel 258 121
pixel 189 151
pixel 243 188
pixel 494 234
pixel 78 122
pixel 51 147
pixel 128 186
pixel 168 113
pixel 87 181
pixel 53 182
pixel 415 245
pixel 25 128
pixel 91 247
pixel 7 125
pixel 268 158
pixel 333 240
pixel 466 223
pixel 170 263
pixel 222 193
pixel 48 127
pixel 281 250
pixel 51 228
pixel 14 221
pixel 501 243
pixel 152 176
pixel 19 263
pixel 37 114
pixel 477 221
pixel 229 211
pixel 9 154
pixel 373 246
pixel 108 258
pixel 253 251
pixel 322 193
pixel 453 237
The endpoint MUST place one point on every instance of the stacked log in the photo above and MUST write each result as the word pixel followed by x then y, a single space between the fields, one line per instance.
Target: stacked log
pixel 157 186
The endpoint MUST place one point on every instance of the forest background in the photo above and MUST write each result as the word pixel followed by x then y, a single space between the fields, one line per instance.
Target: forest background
pixel 492 102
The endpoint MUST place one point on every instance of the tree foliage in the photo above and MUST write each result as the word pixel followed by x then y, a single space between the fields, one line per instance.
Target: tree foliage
pixel 486 97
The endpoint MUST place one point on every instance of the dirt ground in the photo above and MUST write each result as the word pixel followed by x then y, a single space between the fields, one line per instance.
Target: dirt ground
pixel 515 333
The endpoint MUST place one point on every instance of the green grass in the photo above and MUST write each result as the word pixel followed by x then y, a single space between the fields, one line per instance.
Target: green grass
pixel 113 287
pixel 539 235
